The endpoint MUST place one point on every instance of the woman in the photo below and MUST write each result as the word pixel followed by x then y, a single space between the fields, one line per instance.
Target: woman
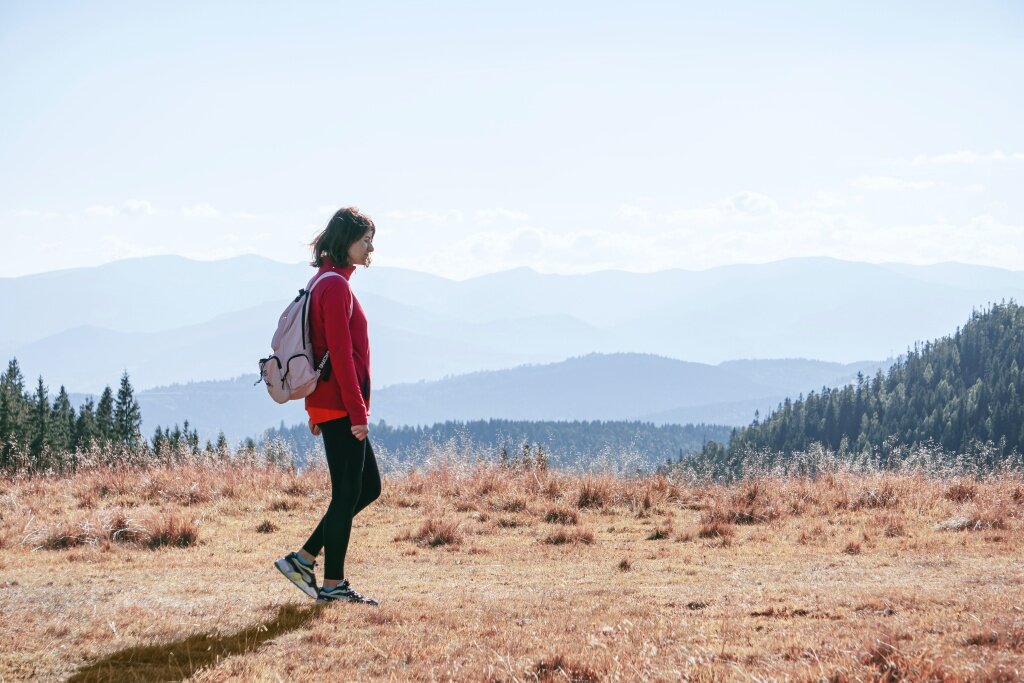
pixel 339 406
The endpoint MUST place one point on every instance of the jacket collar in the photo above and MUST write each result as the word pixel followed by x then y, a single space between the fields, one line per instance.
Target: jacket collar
pixel 329 265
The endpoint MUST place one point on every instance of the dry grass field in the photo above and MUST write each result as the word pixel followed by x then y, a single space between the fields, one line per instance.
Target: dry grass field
pixel 492 573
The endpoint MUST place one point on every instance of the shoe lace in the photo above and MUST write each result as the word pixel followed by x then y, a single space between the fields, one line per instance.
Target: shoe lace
pixel 347 589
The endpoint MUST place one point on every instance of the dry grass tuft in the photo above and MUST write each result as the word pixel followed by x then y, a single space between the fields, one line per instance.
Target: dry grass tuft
pixel 510 523
pixel 266 527
pixel 572 536
pixel 715 529
pixel 751 504
pixel 559 669
pixel 892 525
pixel 159 530
pixel 434 533
pixel 297 488
pixel 662 532
pixel 561 515
pixel 513 504
pixel 961 492
pixel 593 494
pixel 281 505
pixel 873 497
pixel 69 537
pixel 172 530
pixel 625 565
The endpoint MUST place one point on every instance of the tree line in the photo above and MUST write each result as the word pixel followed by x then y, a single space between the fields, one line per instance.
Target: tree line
pixel 563 444
pixel 956 392
pixel 37 433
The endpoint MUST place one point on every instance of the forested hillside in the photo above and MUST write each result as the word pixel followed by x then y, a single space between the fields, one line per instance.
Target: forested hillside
pixel 955 392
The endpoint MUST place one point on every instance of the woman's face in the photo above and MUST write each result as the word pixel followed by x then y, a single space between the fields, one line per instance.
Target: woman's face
pixel 359 252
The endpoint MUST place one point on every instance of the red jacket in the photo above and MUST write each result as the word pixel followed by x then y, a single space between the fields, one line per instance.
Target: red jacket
pixel 330 328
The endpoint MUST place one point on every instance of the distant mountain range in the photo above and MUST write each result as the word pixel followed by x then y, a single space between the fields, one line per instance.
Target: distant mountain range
pixel 593 387
pixel 491 346
pixel 171 320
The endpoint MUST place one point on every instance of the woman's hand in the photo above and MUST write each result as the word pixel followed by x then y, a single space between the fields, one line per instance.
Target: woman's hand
pixel 360 431
pixel 315 429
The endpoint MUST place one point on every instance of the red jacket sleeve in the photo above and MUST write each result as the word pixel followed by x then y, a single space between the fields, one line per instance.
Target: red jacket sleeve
pixel 335 307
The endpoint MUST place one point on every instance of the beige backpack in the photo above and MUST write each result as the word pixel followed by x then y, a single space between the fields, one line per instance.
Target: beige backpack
pixel 290 372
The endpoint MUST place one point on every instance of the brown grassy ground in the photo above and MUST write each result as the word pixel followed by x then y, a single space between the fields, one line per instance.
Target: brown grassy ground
pixel 487 573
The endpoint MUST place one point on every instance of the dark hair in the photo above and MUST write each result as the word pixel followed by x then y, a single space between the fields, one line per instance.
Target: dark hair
pixel 344 229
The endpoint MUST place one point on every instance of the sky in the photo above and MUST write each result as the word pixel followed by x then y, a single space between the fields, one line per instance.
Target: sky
pixel 566 137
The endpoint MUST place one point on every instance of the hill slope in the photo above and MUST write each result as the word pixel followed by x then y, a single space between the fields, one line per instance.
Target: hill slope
pixel 962 389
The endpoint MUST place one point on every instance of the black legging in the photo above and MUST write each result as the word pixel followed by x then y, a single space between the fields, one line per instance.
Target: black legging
pixel 355 483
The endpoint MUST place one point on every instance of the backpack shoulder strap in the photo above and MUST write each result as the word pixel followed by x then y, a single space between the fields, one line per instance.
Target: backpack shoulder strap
pixel 305 312
pixel 316 280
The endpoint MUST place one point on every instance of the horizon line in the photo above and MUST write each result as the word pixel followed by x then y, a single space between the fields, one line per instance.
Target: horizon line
pixel 512 269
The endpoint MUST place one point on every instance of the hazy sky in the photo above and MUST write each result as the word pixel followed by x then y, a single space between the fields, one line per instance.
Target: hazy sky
pixel 482 136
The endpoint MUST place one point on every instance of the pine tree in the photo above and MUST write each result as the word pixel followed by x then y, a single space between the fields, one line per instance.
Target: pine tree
pixel 86 431
pixel 159 440
pixel 127 415
pixel 14 412
pixel 105 416
pixel 62 423
pixel 40 424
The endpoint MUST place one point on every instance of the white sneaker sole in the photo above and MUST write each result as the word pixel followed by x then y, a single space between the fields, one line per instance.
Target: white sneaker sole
pixel 289 572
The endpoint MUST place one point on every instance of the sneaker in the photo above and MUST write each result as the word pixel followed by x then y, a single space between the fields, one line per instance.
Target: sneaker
pixel 298 573
pixel 344 593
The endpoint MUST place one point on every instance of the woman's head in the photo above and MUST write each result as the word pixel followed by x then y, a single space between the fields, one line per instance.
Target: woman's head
pixel 347 239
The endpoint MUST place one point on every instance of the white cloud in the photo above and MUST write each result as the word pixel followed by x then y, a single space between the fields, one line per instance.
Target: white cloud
pixel 743 206
pixel 528 243
pixel 753 203
pixel 131 207
pixel 824 199
pixel 138 207
pixel 243 216
pixel 885 183
pixel 200 211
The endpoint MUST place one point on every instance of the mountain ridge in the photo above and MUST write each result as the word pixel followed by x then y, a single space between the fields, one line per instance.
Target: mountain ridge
pixel 241 409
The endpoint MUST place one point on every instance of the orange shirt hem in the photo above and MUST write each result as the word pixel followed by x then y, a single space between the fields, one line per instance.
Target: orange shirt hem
pixel 319 415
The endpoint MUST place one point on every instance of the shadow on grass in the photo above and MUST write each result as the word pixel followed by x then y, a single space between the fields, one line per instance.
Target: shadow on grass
pixel 180 659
